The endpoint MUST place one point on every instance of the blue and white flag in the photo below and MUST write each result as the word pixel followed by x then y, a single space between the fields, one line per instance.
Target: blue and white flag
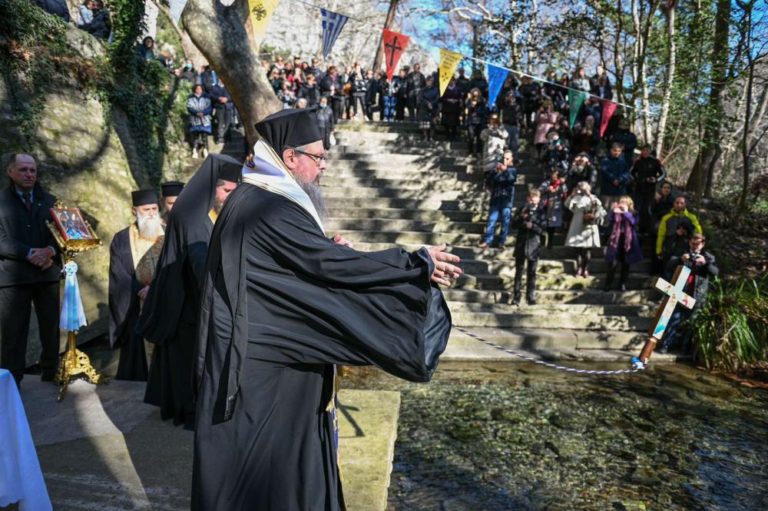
pixel 333 23
pixel 496 78
pixel 177 7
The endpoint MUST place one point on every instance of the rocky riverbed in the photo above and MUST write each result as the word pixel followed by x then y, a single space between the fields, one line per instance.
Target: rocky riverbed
pixel 495 436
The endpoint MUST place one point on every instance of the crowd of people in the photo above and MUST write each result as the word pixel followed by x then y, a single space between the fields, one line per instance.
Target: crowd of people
pixel 601 190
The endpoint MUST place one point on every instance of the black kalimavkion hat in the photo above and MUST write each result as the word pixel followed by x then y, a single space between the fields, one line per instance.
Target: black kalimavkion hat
pixel 172 188
pixel 289 128
pixel 143 197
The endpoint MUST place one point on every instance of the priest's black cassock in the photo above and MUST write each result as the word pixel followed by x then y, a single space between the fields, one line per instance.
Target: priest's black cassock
pixel 281 305
pixel 171 311
pixel 124 303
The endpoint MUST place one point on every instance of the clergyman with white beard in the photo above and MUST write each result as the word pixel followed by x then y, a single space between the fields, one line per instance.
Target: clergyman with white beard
pixel 133 256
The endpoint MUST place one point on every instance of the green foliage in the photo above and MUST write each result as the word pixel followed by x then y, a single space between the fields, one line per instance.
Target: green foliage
pixel 731 328
pixel 33 52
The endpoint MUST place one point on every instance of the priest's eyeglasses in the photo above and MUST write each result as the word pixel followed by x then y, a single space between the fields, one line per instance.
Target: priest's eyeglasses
pixel 317 158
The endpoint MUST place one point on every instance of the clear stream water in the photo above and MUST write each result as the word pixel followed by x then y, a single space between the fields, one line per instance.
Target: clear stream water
pixel 508 436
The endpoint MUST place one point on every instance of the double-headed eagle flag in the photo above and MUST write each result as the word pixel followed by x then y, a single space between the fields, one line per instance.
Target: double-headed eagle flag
pixel 333 23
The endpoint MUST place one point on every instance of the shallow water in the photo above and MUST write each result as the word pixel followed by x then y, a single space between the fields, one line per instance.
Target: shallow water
pixel 496 436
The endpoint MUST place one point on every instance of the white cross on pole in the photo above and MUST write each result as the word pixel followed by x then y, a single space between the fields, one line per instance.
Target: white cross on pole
pixel 675 294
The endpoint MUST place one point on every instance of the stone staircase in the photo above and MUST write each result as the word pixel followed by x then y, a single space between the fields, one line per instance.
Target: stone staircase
pixel 385 186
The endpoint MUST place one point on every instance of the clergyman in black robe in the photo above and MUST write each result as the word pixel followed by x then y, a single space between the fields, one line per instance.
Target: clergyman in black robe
pixel 133 256
pixel 282 304
pixel 171 311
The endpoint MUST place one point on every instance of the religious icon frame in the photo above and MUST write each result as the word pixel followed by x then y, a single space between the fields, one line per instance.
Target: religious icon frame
pixel 71 230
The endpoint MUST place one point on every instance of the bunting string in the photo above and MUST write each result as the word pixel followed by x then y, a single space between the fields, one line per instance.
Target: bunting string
pixel 497 69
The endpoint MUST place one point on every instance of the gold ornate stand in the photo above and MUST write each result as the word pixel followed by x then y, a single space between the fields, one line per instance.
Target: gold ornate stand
pixel 74 364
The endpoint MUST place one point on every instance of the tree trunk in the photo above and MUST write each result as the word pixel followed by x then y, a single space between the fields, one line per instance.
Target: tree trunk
pixel 388 22
pixel 190 50
pixel 220 34
pixel 672 58
pixel 703 172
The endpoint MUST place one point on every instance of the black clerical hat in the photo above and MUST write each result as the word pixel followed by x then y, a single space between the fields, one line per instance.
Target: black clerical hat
pixel 172 188
pixel 230 171
pixel 143 197
pixel 289 128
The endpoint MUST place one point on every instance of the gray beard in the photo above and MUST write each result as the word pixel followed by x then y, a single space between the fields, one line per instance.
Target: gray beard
pixel 315 194
pixel 150 227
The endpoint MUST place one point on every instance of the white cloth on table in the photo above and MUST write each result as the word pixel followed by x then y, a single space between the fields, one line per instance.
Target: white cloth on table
pixel 21 479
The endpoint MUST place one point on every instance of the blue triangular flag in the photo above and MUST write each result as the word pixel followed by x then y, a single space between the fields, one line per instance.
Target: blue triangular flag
pixel 496 78
pixel 333 22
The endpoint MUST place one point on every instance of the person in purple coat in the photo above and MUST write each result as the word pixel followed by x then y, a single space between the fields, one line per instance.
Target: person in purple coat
pixel 623 247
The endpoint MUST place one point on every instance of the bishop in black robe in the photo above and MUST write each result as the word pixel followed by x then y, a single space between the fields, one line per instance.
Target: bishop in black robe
pixel 171 311
pixel 282 304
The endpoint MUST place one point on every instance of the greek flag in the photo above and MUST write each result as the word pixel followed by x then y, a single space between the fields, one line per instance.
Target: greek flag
pixel 333 23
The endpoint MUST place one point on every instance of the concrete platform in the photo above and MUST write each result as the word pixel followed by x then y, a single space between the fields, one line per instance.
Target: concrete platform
pixel 102 448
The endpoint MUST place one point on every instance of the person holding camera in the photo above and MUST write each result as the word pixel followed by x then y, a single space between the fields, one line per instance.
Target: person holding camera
pixel 531 223
pixel 623 244
pixel 703 267
pixel 494 139
pixel 553 192
pixel 501 183
pixel 583 233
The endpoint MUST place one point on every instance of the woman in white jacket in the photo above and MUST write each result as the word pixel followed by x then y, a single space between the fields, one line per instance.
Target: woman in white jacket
pixel 583 233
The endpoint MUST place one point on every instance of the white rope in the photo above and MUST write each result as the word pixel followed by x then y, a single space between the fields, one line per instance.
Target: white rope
pixel 548 364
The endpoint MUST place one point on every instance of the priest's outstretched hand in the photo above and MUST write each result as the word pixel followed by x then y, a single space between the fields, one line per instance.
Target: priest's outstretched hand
pixel 446 269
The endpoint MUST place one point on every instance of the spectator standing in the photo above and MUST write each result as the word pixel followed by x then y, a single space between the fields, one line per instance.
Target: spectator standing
pixel 29 273
pixel 188 72
pixel 372 94
pixel 223 108
pixel 286 96
pixel 400 83
pixel 511 115
pixel 529 93
pixel 583 233
pixel 662 204
pixel 623 247
pixel 703 267
pixel 415 83
pixel 531 223
pixel 500 181
pixel 622 135
pixel 389 97
pixel 546 119
pixel 614 175
pixel 200 125
pixel 668 225
pixel 325 121
pixel 553 192
pixel 475 113
pixel 580 81
pixel 646 172
pixel 208 79
pixel 494 139
pixel 462 82
pixel 331 86
pixel 310 91
pixel 451 106
pixel 429 108
pixel 582 170
pixel 359 88
pixel 585 136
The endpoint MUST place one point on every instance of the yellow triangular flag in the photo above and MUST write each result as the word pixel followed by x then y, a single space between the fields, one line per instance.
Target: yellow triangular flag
pixel 261 11
pixel 449 61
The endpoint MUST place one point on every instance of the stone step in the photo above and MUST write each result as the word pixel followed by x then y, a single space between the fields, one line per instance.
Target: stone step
pixel 400 214
pixel 547 344
pixel 410 237
pixel 382 224
pixel 523 319
pixel 545 296
pixel 377 126
pixel 423 204
pixel 412 180
pixel 547 282
pixel 338 193
pixel 554 309
pixel 596 266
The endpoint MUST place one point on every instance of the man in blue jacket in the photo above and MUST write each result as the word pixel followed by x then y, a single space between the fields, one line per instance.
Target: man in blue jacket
pixel 614 176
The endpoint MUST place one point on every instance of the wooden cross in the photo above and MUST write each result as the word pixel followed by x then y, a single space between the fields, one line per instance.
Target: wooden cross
pixel 393 47
pixel 675 294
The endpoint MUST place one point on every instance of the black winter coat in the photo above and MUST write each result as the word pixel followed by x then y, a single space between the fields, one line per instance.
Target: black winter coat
pixel 528 241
